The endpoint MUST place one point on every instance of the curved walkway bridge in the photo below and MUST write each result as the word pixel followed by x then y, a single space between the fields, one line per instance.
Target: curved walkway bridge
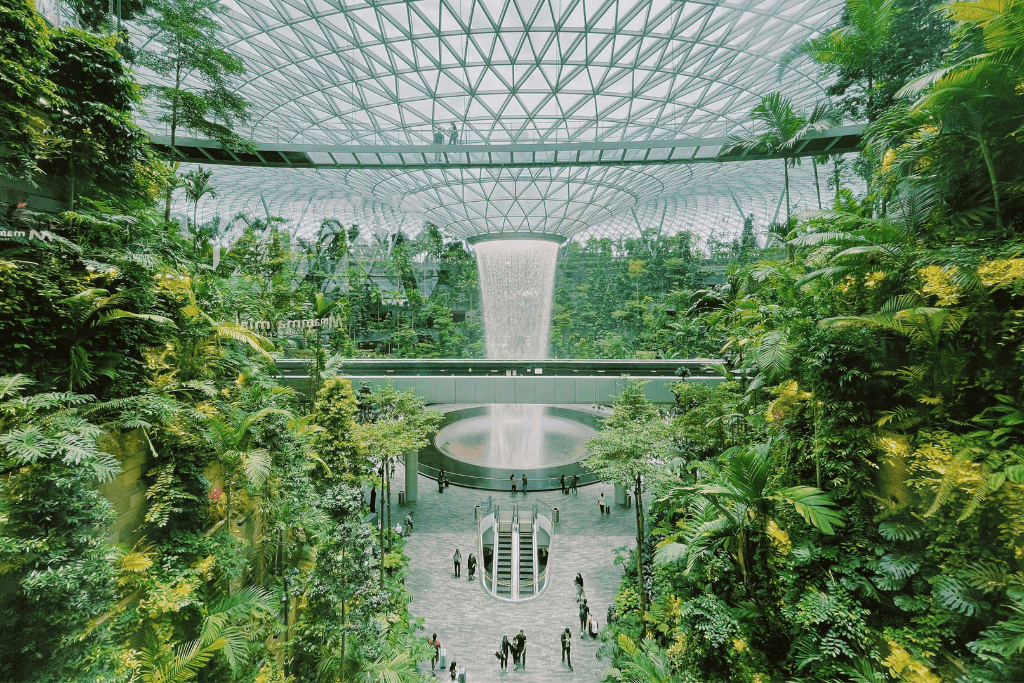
pixel 486 154
pixel 479 381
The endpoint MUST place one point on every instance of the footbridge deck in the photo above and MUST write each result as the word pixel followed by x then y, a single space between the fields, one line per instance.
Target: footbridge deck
pixel 485 154
pixel 477 381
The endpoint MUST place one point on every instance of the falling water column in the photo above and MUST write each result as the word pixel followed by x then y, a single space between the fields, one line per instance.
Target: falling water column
pixel 517 281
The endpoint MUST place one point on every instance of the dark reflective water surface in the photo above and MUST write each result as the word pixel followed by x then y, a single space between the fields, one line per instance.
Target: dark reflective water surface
pixel 515 437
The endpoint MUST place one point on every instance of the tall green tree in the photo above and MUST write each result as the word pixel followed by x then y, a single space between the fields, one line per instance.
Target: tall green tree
pixel 777 129
pixel 183 49
pixel 336 441
pixel 632 444
pixel 398 425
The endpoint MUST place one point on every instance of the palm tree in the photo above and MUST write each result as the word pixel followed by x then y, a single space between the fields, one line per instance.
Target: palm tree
pixel 230 435
pixel 224 629
pixel 89 311
pixel 856 245
pixel 191 351
pixel 736 508
pixel 643 663
pixel 861 46
pixel 397 663
pixel 197 185
pixel 969 97
pixel 778 128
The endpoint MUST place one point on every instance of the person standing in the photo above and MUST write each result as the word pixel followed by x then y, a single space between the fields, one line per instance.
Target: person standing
pixel 524 482
pixel 519 643
pixel 600 503
pixel 579 585
pixel 440 481
pixel 451 669
pixel 575 484
pixel 561 481
pixel 567 646
pixel 505 647
pixel 457 559
pixel 471 565
pixel 373 499
pixel 437 651
pixel 513 480
pixel 584 613
pixel 453 136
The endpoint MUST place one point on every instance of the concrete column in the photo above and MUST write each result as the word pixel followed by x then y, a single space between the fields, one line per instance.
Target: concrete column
pixel 620 495
pixel 412 462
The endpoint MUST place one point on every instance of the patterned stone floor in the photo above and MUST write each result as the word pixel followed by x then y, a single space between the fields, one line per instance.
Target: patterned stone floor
pixel 470 623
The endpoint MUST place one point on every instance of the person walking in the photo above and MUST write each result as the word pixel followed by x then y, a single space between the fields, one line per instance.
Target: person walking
pixel 457 559
pixel 471 565
pixel 579 585
pixel 561 481
pixel 519 643
pixel 584 613
pixel 408 523
pixel 575 484
pixel 505 647
pixel 451 669
pixel 567 646
pixel 437 651
pixel 524 482
pixel 513 480
pixel 600 503
pixel 440 481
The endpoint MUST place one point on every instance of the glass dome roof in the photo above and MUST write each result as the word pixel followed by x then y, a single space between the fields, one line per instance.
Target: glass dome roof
pixel 531 71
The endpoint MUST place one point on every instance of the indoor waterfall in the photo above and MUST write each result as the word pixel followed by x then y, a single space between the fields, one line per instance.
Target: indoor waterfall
pixel 517 282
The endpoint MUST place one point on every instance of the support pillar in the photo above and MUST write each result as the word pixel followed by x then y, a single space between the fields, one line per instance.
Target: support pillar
pixel 620 495
pixel 412 462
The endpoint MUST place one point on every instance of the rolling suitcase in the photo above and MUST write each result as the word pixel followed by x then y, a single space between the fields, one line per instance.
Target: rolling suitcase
pixel 444 658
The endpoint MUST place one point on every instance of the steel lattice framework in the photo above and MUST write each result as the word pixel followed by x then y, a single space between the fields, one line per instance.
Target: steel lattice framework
pixel 400 73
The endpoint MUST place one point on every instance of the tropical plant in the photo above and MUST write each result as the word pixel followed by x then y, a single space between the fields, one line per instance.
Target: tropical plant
pixel 398 424
pixel 229 432
pixel 778 128
pixel 643 663
pixel 882 248
pixel 194 347
pixel 197 185
pixel 90 311
pixel 24 90
pixel 971 98
pixel 856 50
pixel 737 509
pixel 101 150
pixel 183 49
pixel 58 568
pixel 226 628
pixel 335 440
pixel 633 444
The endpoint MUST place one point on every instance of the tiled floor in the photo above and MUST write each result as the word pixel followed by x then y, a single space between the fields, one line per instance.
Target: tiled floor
pixel 470 623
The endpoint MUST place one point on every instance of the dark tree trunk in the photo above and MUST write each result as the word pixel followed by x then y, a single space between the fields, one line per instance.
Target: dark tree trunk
pixel 638 494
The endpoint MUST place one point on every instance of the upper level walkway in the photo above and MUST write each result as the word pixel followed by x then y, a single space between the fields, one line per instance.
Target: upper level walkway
pixel 486 154
pixel 479 381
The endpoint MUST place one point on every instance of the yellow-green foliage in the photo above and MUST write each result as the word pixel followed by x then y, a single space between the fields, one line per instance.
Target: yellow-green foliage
pixel 335 439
